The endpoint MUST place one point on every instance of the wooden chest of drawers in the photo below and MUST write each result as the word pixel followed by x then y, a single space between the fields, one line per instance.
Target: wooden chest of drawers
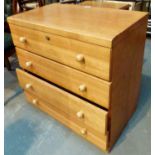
pixel 82 66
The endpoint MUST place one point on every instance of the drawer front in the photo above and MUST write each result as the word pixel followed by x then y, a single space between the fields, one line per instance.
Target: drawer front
pixel 83 113
pixel 85 57
pixel 87 86
pixel 100 141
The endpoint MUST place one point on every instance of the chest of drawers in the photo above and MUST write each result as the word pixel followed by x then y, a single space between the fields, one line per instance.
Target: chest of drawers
pixel 82 66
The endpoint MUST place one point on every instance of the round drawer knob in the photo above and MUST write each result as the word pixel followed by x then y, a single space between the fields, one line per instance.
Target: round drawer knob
pixel 22 39
pixel 83 131
pixel 80 58
pixel 80 114
pixel 82 88
pixel 28 63
pixel 28 85
pixel 34 101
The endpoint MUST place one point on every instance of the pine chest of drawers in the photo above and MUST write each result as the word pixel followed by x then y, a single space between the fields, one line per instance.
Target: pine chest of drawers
pixel 82 66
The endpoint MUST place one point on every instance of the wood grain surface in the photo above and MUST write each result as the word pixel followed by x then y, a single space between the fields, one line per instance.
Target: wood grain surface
pixel 97 90
pixel 127 61
pixel 95 53
pixel 65 50
pixel 93 25
pixel 94 118
pixel 55 113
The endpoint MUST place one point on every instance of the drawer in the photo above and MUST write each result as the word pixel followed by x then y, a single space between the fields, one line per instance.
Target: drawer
pixel 89 58
pixel 75 109
pixel 85 85
pixel 99 141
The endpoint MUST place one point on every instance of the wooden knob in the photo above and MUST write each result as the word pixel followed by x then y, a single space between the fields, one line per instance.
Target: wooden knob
pixel 82 88
pixel 83 131
pixel 22 39
pixel 34 101
pixel 80 114
pixel 28 63
pixel 80 58
pixel 28 85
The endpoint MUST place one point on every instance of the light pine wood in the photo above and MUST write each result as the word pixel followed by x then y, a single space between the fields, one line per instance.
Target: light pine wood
pixel 127 61
pixel 98 141
pixel 92 25
pixel 76 54
pixel 95 53
pixel 104 4
pixel 78 82
pixel 94 118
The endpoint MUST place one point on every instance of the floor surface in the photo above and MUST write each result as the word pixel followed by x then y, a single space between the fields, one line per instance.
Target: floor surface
pixel 29 131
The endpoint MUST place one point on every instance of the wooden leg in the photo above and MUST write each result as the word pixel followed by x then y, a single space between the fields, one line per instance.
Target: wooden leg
pixel 7 63
pixel 14 4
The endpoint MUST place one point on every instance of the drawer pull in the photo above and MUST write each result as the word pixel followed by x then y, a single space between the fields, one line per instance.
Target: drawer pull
pixel 28 85
pixel 22 39
pixel 80 114
pixel 82 88
pixel 83 131
pixel 80 58
pixel 34 101
pixel 28 63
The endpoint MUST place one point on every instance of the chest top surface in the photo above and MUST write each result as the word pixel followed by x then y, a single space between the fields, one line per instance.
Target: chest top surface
pixel 93 25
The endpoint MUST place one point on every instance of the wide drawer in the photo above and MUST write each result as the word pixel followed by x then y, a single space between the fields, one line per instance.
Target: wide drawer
pixel 89 58
pixel 85 85
pixel 100 141
pixel 73 106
